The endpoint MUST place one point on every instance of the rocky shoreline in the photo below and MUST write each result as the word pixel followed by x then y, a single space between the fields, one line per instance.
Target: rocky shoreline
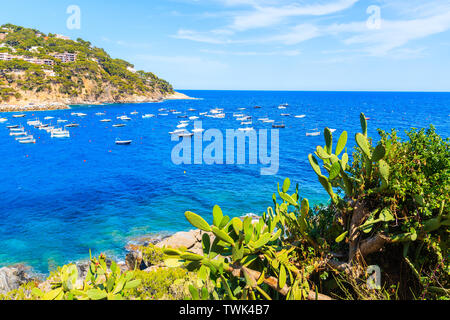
pixel 50 106
pixel 12 277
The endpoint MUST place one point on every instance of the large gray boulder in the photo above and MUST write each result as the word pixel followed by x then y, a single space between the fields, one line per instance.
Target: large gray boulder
pixel 11 278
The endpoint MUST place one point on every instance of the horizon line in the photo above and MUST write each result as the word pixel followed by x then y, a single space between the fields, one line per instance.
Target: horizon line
pixel 287 90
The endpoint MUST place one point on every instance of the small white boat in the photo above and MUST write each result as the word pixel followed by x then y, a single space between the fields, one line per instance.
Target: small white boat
pixel 61 121
pixel 13 126
pixel 18 134
pixel 27 141
pixel 3 120
pixel 123 142
pixel 105 120
pixel 281 108
pixel 242 108
pixel 300 116
pixel 18 115
pixel 163 114
pixel 147 116
pixel 191 109
pixel 162 109
pixel 34 122
pixel 176 112
pixel 203 113
pixel 120 125
pixel 18 129
pixel 49 118
pixel 183 125
pixel 178 131
pixel 72 125
pixel 134 113
pixel 186 134
pixel 263 119
pixel 100 114
pixel 246 123
pixel 25 138
pixel 193 118
pixel 246 129
pixel 312 134
pixel 125 118
pixel 269 121
pixel 198 130
pixel 60 134
pixel 78 114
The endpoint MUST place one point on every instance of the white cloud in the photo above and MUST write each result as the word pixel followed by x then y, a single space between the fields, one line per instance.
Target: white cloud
pixel 269 16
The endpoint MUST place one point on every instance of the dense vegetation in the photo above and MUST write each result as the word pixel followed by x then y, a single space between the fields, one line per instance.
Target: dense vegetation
pixel 92 63
pixel 388 208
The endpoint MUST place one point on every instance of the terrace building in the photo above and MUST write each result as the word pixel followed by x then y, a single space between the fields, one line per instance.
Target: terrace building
pixel 66 57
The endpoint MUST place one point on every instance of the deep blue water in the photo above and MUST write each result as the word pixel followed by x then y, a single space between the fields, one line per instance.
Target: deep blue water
pixel 60 198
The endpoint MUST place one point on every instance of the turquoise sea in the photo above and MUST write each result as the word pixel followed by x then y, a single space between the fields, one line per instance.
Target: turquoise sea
pixel 61 197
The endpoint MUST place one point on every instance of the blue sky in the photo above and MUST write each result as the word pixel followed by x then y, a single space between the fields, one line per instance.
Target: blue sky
pixel 264 44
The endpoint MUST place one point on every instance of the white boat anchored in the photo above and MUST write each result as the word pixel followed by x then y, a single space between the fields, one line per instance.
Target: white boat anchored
pixel 60 133
pixel 3 120
pixel 105 120
pixel 148 116
pixel 123 142
pixel 312 134
pixel 300 116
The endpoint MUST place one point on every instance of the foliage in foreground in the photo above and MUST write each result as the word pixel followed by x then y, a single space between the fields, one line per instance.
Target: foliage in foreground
pixel 387 209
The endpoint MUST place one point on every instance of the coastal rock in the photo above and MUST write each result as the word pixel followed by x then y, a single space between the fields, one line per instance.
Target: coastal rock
pixel 133 260
pixel 180 239
pixel 11 278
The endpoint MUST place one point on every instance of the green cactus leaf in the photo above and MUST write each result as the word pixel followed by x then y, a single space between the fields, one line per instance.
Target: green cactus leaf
pixel 132 284
pixel 305 208
pixel 384 170
pixel 53 294
pixel 217 216
pixel 96 294
pixel 286 185
pixel 335 170
pixel 222 235
pixel 173 263
pixel 224 222
pixel 197 221
pixel 328 140
pixel 248 229
pixel 363 120
pixel 171 252
pixel 276 235
pixel 315 165
pixel 237 252
pixel 237 225
pixel 344 161
pixel 288 199
pixel 322 154
pixel 342 142
pixel 327 185
pixel 386 215
pixel 194 292
pixel 282 278
pixel 206 243
pixel 363 143
pixel 341 237
pixel 191 257
pixel 262 241
pixel 378 153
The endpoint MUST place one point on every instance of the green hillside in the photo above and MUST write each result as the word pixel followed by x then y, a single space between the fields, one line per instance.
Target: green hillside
pixel 94 75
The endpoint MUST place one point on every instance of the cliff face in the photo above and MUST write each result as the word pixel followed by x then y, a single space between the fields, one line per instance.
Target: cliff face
pixel 40 69
pixel 91 93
